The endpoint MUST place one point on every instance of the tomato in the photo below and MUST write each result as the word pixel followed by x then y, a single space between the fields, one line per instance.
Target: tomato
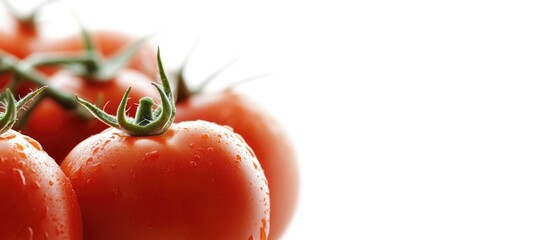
pixel 108 43
pixel 264 135
pixel 196 181
pixel 59 129
pixel 36 199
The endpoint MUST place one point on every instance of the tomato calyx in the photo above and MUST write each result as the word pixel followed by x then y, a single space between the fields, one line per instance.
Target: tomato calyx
pixel 147 121
pixel 98 69
pixel 12 107
pixel 25 23
pixel 183 90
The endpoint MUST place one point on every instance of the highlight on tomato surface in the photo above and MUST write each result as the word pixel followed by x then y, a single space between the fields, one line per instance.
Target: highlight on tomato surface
pixel 37 200
pixel 147 178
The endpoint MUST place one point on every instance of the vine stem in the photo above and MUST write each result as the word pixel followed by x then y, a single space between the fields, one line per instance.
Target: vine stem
pixel 26 71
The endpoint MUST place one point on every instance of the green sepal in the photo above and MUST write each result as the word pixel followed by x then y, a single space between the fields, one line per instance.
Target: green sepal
pixel 9 116
pixel 148 122
pixel 98 69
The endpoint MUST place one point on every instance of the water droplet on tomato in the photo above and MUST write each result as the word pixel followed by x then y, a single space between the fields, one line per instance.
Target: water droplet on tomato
pixel 250 151
pixel 150 156
pixel 96 167
pixel 8 135
pixel 18 175
pixel 20 151
pixel 238 158
pixel 35 185
pixel 192 163
pixel 210 149
pixel 204 136
pixel 19 146
pixel 228 128
pixel 89 160
pixel 34 143
pixel 77 173
pixel 191 145
pixel 196 157
pixel 26 233
pixel 255 165
pixel 263 230
pixel 21 164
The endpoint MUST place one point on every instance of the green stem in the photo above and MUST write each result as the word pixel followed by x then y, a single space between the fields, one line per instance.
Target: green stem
pixel 144 114
pixel 37 60
pixel 94 65
pixel 68 102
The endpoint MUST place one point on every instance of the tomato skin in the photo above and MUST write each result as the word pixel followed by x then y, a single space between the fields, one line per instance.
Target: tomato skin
pixel 37 200
pixel 108 43
pixel 59 130
pixel 264 135
pixel 197 181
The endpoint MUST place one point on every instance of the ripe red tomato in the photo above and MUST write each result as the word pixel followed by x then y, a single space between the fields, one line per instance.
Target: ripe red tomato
pixel 196 181
pixel 37 200
pixel 108 43
pixel 59 130
pixel 264 135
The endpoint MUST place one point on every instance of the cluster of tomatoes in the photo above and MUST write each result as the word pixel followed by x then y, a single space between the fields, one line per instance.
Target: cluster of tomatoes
pixel 81 163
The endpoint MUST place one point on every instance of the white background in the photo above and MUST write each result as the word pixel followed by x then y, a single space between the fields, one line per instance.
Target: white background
pixel 412 119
